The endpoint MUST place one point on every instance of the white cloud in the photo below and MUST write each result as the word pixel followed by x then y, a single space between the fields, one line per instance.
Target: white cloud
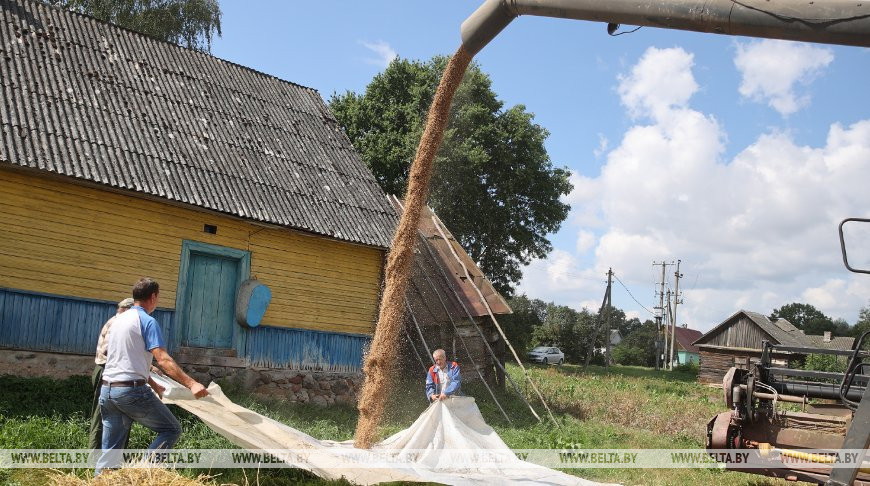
pixel 771 68
pixel 560 278
pixel 602 146
pixel 585 241
pixel 385 53
pixel 754 232
pixel 838 295
pixel 661 80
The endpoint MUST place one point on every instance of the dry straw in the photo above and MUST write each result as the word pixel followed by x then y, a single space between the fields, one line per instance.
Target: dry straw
pixel 150 476
pixel 381 357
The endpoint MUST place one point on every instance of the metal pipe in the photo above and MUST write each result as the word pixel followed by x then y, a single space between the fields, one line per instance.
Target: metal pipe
pixel 831 352
pixel 827 375
pixel 770 396
pixel 815 390
pixel 781 398
pixel 829 21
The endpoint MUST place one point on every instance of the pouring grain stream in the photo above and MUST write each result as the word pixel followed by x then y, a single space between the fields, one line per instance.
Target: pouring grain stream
pixel 380 359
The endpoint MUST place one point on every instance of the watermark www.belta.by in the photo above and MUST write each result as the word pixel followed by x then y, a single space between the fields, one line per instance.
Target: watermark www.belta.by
pixel 350 458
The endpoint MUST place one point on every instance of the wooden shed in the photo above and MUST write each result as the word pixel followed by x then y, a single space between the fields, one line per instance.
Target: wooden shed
pixel 122 156
pixel 451 305
pixel 737 341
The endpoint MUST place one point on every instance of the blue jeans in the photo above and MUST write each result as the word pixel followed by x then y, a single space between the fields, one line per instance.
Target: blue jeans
pixel 120 407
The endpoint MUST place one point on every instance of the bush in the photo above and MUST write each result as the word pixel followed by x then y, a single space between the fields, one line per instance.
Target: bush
pixel 825 362
pixel 690 368
pixel 629 355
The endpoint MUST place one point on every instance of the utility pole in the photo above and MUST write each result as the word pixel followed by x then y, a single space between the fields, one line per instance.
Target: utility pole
pixel 677 276
pixel 607 314
pixel 661 331
pixel 668 326
pixel 605 304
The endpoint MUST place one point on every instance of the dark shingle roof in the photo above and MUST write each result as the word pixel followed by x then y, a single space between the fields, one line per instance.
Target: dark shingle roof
pixel 103 104
pixel 781 330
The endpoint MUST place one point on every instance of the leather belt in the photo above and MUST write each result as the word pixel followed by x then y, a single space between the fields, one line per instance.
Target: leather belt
pixel 125 383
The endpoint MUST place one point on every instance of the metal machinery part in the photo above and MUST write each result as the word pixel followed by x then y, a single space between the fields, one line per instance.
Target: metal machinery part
pixel 830 22
pixel 754 422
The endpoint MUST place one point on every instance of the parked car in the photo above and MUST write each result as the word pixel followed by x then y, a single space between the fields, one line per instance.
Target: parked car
pixel 547 355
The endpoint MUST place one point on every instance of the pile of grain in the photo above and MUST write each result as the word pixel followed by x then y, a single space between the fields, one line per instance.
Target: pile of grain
pixel 153 476
pixel 382 353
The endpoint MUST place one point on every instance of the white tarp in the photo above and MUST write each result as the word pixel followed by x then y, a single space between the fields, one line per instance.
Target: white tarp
pixel 450 425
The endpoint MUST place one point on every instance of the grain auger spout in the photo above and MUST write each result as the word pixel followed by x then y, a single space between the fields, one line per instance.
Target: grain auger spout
pixel 827 22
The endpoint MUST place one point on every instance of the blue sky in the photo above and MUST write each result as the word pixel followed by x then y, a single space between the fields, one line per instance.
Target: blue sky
pixel 737 156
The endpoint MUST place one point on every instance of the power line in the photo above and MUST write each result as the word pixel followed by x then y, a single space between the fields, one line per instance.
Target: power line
pixel 632 295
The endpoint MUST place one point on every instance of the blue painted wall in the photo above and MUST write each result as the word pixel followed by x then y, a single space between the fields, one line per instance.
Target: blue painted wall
pixel 277 347
pixel 45 322
pixel 684 357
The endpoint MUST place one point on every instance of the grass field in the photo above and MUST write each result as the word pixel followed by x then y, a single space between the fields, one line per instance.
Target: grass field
pixel 623 407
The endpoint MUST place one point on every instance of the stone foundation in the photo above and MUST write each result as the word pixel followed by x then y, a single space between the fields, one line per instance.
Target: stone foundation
pixel 53 365
pixel 315 387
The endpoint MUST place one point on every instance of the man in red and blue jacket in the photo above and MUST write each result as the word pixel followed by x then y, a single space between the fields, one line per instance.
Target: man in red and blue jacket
pixel 443 379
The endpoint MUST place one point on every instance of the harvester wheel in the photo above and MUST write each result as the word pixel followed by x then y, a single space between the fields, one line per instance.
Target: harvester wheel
pixel 719 436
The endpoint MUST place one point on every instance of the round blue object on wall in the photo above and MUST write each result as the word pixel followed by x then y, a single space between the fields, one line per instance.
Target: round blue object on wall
pixel 251 302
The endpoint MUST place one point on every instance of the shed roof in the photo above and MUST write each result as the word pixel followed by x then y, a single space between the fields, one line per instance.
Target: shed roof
pixel 782 332
pixel 105 105
pixel 453 268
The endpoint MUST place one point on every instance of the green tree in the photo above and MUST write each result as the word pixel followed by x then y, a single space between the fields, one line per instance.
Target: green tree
pixel 805 317
pixel 619 322
pixel 638 348
pixel 842 327
pixel 494 185
pixel 571 331
pixel 528 314
pixel 189 23
pixel 559 329
pixel 863 324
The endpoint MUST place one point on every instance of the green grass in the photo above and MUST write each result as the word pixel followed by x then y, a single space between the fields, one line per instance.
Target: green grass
pixel 621 407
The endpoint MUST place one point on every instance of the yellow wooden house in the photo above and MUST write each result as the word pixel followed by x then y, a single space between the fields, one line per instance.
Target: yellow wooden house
pixel 122 156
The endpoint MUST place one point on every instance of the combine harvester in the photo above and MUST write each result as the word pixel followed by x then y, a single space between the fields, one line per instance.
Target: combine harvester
pixel 753 421
pixel 841 423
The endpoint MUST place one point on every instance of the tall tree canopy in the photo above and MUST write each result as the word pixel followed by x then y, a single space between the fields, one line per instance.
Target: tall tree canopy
pixel 494 185
pixel 189 23
pixel 805 317
pixel 863 324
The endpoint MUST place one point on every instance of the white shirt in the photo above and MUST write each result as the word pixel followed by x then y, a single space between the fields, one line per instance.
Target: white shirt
pixel 130 340
pixel 443 378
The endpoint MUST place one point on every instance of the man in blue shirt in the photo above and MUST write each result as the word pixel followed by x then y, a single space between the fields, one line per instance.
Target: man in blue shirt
pixel 132 341
pixel 443 379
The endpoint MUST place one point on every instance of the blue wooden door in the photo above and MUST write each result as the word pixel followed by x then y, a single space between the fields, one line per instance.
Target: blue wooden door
pixel 210 301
